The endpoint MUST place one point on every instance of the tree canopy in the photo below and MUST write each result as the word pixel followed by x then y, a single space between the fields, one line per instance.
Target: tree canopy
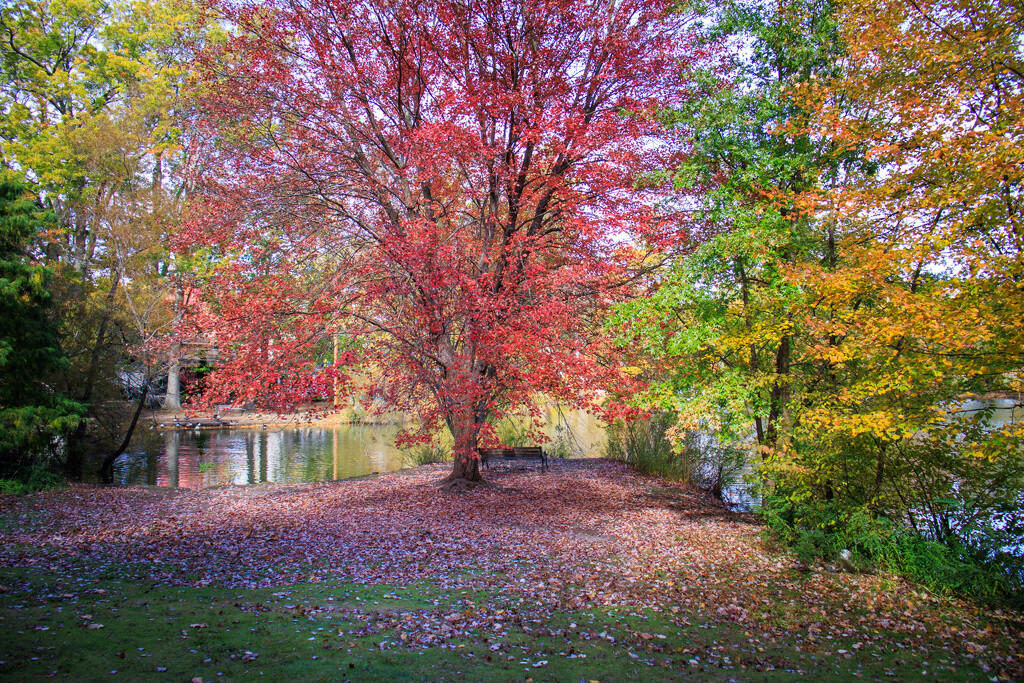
pixel 858 182
pixel 447 186
pixel 92 125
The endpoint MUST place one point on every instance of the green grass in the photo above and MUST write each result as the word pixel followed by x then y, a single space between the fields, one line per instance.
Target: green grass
pixel 340 631
pixel 426 454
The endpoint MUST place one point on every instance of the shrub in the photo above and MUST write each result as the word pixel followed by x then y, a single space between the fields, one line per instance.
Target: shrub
pixel 511 434
pixel 815 529
pixel 37 478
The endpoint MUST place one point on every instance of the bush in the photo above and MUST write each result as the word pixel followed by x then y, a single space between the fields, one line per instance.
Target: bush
pixel 644 445
pixel 12 487
pixel 814 529
pixel 37 478
pixel 511 434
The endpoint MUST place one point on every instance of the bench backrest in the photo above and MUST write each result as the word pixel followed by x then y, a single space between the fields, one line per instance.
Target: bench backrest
pixel 517 452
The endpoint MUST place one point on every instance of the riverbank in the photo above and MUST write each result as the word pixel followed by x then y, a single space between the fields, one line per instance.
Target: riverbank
pixel 318 414
pixel 589 571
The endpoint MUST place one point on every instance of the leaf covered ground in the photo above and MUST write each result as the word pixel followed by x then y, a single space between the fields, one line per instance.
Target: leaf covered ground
pixel 589 571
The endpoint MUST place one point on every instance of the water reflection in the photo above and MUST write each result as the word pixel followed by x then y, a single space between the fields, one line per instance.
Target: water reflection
pixel 210 458
pixel 199 459
pixel 1003 411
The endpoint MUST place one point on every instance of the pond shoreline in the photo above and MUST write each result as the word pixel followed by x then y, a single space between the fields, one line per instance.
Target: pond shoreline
pixel 312 415
pixel 199 449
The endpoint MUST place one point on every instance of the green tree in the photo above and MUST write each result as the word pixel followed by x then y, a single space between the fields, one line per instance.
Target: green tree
pixel 724 313
pixel 92 93
pixel 33 417
pixel 860 276
pixel 930 286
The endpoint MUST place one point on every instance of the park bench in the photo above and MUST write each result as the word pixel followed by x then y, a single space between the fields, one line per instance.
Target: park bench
pixel 519 453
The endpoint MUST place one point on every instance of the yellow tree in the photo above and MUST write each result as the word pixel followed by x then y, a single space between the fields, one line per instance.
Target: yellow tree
pixel 926 308
pixel 92 123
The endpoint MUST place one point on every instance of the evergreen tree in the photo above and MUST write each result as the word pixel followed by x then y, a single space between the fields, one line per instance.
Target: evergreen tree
pixel 33 418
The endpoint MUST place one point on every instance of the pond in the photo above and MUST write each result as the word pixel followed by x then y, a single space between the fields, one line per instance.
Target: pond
pixel 199 459
pixel 202 458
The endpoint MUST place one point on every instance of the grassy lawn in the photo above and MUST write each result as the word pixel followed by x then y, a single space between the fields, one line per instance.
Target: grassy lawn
pixel 113 629
pixel 642 585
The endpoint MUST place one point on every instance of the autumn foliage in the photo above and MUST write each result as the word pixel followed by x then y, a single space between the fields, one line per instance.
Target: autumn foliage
pixel 447 187
pixel 860 183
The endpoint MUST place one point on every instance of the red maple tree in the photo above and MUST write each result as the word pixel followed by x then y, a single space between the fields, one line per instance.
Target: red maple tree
pixel 448 185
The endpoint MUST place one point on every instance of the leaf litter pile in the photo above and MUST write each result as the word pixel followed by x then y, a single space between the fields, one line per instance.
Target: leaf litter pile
pixel 590 534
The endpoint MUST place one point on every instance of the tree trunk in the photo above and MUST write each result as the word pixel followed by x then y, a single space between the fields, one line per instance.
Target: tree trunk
pixel 172 400
pixel 73 464
pixel 779 392
pixel 466 462
pixel 107 470
pixel 466 467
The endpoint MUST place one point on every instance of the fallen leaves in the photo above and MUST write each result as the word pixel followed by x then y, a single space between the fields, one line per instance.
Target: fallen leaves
pixel 588 534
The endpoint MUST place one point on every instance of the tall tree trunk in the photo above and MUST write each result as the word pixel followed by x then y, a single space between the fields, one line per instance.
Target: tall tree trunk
pixel 75 456
pixel 779 392
pixel 101 338
pixel 172 400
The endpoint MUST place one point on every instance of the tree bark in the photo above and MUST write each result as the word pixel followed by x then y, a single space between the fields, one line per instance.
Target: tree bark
pixel 466 468
pixel 73 464
pixel 172 400
pixel 779 392
pixel 466 460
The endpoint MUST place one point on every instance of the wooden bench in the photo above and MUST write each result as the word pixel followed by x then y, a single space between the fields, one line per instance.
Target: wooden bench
pixel 514 454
